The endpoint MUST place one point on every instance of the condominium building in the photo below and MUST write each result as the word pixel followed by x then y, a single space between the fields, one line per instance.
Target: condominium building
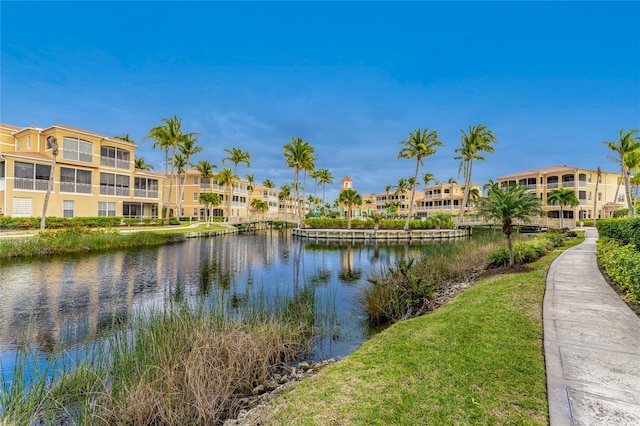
pixel 94 174
pixel 583 181
pixel 445 198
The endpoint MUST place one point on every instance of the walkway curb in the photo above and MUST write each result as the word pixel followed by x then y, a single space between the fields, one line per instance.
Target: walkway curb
pixel 591 344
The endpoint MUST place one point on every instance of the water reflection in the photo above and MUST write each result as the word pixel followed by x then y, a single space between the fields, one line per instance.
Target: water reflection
pixel 65 300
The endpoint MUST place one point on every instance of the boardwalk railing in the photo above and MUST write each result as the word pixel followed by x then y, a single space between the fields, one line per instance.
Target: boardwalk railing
pixel 542 222
pixel 262 218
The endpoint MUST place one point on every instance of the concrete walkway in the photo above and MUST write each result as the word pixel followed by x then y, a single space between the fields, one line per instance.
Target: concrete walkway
pixel 591 344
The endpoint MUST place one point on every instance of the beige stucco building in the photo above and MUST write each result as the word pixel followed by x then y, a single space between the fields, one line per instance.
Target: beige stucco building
pixel 582 181
pixel 94 174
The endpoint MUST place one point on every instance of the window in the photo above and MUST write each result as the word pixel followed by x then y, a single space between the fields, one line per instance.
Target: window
pixel 31 176
pixel 68 207
pixel 75 180
pixel 195 212
pixel 146 188
pixel 28 142
pixel 195 180
pixel 1 169
pixel 195 196
pixel 111 156
pixel 113 184
pixel 599 196
pixel 77 150
pixel 22 207
pixel 106 209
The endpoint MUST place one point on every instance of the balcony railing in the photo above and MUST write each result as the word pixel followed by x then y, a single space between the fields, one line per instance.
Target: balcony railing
pixel 569 184
pixel 144 193
pixel 33 184
pixel 82 188
pixel 552 185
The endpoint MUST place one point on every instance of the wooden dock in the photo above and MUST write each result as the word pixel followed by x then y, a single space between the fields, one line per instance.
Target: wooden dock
pixel 385 235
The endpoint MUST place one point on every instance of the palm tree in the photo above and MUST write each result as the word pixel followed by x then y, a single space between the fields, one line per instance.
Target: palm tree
pixel 188 148
pixel 595 196
pixel 427 178
pixel 226 178
pixel 53 142
pixel 250 181
pixel 259 205
pixel 125 137
pixel 490 184
pixel 268 183
pixel 180 166
pixel 349 197
pixel 210 200
pixel 141 164
pixel 168 137
pixel 624 146
pixel 419 145
pixel 206 168
pixel 324 177
pixel 237 156
pixel 299 157
pixel 401 187
pixel 505 206
pixel 564 197
pixel 285 193
pixel 479 139
pixel 377 218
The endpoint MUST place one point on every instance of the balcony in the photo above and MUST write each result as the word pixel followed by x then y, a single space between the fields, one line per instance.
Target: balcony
pixel 32 184
pixel 82 188
pixel 552 185
pixel 569 184
pixel 143 193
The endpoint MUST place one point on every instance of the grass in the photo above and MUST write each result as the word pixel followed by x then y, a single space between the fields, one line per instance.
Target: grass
pixel 180 365
pixel 476 360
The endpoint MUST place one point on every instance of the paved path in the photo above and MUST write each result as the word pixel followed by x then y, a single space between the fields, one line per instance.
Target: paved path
pixel 591 343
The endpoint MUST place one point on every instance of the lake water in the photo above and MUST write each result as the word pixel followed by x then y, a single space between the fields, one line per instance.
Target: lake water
pixel 63 301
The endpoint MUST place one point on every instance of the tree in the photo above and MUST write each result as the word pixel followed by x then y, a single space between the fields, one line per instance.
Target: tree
pixel 180 166
pixel 419 145
pixel 141 164
pixel 299 157
pixel 324 177
pixel 168 136
pixel 427 178
pixel 250 181
pixel 125 137
pixel 236 156
pixel 623 147
pixel 210 200
pixel 226 178
pixel 595 196
pixel 505 206
pixel 206 168
pixel 349 197
pixel 259 205
pixel 401 188
pixel 377 218
pixel 188 148
pixel 479 139
pixel 563 197
pixel 285 193
pixel 53 142
pixel 268 183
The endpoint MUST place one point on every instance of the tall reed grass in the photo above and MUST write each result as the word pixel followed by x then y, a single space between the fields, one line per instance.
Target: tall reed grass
pixel 405 289
pixel 178 365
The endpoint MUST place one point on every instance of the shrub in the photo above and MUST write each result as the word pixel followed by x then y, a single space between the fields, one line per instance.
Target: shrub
pixel 432 222
pixel 622 263
pixel 526 251
pixel 626 231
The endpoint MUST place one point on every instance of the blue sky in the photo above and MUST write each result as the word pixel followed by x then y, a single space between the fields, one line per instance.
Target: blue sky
pixel 551 79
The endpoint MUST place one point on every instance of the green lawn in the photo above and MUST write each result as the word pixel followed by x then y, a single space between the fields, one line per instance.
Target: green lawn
pixel 477 360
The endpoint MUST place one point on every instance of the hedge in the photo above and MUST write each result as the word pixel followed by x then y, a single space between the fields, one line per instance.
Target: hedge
pixel 527 251
pixel 622 264
pixel 626 231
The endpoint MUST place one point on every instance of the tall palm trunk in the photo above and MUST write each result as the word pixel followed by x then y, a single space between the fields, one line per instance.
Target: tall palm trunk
pixel 465 196
pixel 413 193
pixel 296 180
pixel 595 196
pixel 627 191
pixel 166 219
pixel 54 151
pixel 615 197
pixel 164 185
